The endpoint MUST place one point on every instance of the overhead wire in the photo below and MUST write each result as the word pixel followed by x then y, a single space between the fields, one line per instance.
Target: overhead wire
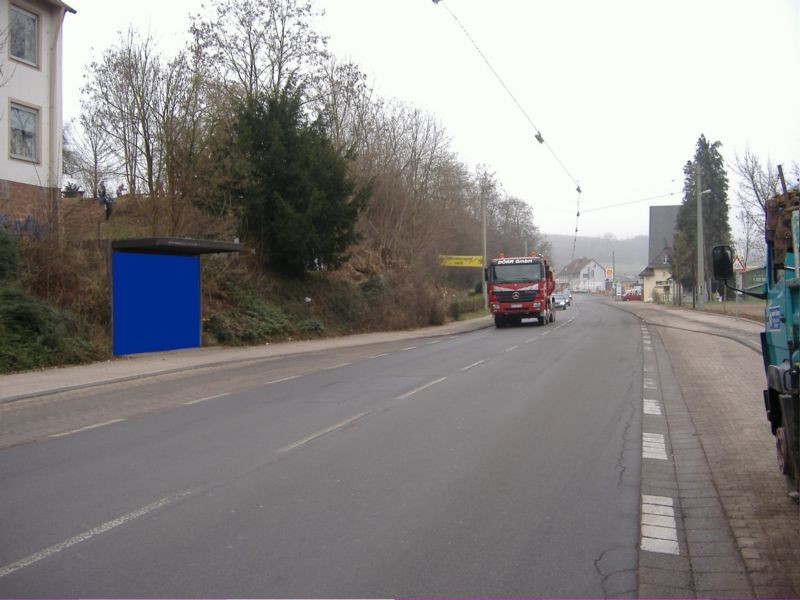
pixel 538 135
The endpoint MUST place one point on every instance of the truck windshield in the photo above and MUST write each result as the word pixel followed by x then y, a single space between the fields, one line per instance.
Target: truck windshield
pixel 516 273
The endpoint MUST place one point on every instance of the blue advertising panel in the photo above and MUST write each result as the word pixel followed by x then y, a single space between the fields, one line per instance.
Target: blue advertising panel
pixel 155 302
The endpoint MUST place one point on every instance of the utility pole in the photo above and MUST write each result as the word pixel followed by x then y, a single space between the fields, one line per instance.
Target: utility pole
pixel 485 263
pixel 701 273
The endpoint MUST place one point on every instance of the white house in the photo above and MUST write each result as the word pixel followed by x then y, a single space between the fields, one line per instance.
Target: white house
pixel 30 108
pixel 582 275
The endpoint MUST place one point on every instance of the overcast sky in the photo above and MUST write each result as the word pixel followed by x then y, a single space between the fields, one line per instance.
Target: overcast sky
pixel 620 90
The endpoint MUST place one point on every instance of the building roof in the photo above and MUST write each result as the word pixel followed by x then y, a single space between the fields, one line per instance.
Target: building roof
pixel 575 266
pixel 175 246
pixel 63 5
pixel 662 233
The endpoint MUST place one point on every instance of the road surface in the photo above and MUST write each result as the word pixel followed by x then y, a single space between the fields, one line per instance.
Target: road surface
pixel 494 463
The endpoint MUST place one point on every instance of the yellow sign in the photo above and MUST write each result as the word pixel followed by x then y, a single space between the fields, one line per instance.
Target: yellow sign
pixel 609 273
pixel 460 261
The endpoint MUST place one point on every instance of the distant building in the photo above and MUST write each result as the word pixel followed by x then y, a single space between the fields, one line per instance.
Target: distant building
pixel 30 108
pixel 658 284
pixel 582 275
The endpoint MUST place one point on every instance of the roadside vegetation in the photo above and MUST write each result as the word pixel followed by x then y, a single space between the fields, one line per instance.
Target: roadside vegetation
pixel 343 200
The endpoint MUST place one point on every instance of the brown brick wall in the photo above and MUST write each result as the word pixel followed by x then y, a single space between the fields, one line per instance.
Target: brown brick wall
pixel 20 200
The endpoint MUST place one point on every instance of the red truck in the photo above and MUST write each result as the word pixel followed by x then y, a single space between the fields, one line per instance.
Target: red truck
pixel 520 288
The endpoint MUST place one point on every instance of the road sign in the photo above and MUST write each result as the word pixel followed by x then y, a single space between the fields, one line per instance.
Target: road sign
pixel 738 265
pixel 609 273
pixel 446 260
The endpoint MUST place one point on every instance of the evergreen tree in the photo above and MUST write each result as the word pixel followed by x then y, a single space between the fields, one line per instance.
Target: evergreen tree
pixel 716 229
pixel 297 201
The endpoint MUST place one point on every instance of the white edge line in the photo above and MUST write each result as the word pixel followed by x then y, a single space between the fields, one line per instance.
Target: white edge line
pixel 206 399
pixel 87 535
pixel 282 379
pixel 473 365
pixel 87 428
pixel 319 434
pixel 420 388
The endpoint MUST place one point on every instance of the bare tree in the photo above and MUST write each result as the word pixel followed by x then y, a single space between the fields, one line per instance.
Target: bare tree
pixel 757 184
pixel 260 47
pixel 88 154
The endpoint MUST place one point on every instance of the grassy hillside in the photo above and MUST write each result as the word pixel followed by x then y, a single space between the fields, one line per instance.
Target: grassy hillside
pixel 55 308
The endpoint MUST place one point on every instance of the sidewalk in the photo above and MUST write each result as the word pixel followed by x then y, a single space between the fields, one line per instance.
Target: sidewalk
pixel 48 381
pixel 737 529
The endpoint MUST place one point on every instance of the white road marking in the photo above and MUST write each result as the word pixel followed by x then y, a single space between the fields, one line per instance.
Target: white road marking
pixel 87 428
pixel 282 379
pixel 326 431
pixel 530 341
pixel 472 366
pixel 512 348
pixel 544 333
pixel 199 400
pixel 431 343
pixel 409 348
pixel 651 407
pixel 339 366
pixel 659 532
pixel 379 355
pixel 420 388
pixel 87 535
pixel 654 446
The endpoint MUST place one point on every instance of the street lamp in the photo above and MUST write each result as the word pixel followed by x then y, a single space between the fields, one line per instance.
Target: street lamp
pixel 701 274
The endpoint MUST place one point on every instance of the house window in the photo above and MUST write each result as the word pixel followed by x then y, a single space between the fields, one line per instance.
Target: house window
pixel 23 36
pixel 24 124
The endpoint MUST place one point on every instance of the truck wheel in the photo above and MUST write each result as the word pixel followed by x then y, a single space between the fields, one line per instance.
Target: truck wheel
pixel 499 321
pixel 552 315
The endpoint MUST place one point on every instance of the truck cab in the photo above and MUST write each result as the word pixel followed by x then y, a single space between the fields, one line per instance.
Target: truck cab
pixel 520 288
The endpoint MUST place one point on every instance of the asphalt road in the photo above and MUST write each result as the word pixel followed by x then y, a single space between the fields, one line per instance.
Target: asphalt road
pixel 495 463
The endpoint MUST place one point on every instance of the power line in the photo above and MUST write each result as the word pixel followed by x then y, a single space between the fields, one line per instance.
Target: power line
pixel 538 135
pixel 632 202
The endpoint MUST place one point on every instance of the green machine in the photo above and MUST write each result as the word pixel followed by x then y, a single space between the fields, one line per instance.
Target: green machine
pixel 780 340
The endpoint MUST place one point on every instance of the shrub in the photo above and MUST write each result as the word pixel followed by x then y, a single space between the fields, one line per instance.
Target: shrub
pixel 9 255
pixel 35 334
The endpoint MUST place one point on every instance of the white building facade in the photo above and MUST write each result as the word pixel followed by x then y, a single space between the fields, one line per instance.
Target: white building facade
pixel 582 275
pixel 31 108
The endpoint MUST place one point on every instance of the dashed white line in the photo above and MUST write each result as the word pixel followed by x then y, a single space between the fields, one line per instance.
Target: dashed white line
pixel 379 355
pixel 409 348
pixel 282 379
pixel 651 407
pixel 512 348
pixel 87 535
pixel 544 333
pixel 431 343
pixel 654 446
pixel 659 533
pixel 87 428
pixel 472 366
pixel 326 431
pixel 206 399
pixel 420 388
pixel 339 366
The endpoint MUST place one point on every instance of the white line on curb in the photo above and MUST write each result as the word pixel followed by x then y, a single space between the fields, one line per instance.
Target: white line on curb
pixel 659 532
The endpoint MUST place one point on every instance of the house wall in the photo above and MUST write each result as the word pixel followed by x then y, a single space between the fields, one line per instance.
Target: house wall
pixel 658 286
pixel 23 182
pixel 592 278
